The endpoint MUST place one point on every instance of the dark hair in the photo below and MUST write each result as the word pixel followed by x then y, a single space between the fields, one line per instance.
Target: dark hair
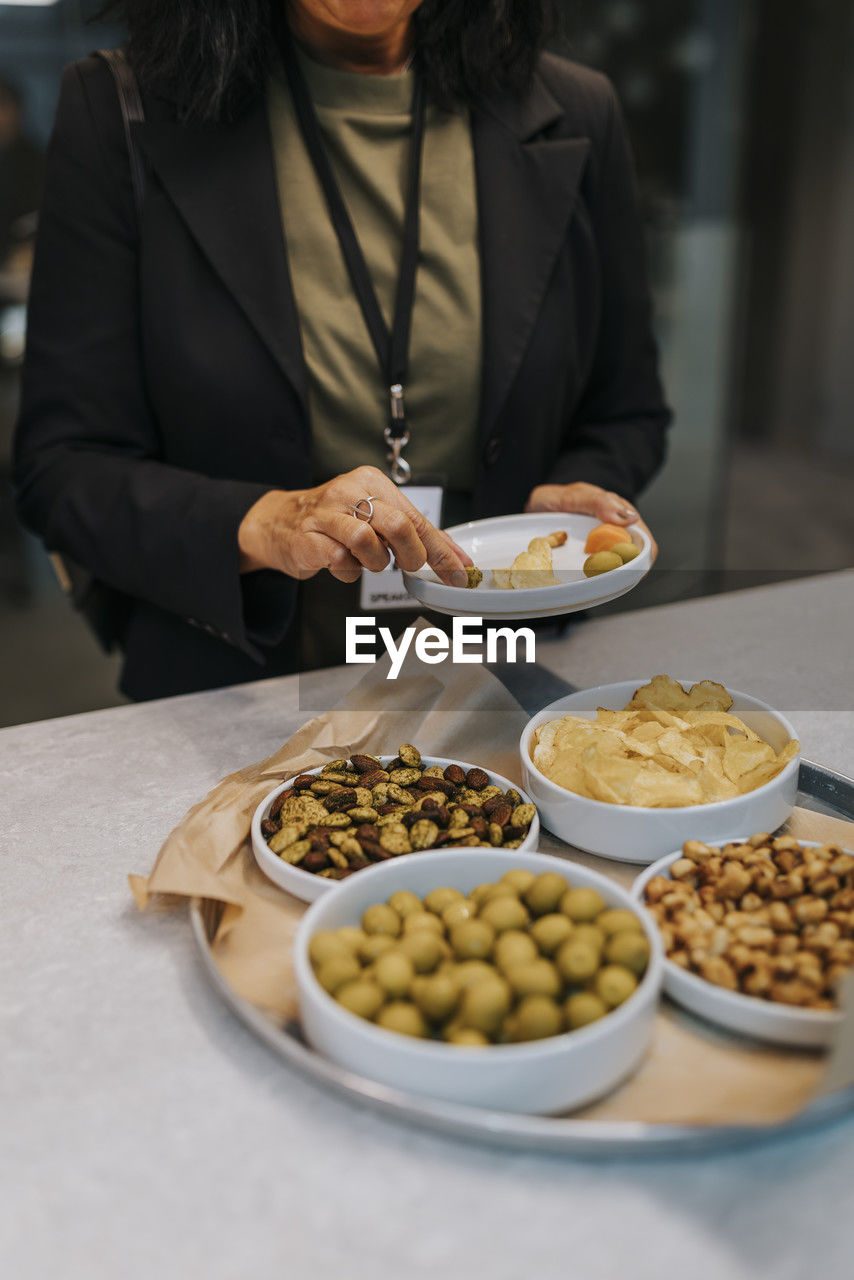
pixel 211 56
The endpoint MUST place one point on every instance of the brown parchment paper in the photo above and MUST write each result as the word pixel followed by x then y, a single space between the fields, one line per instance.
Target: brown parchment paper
pixel 694 1074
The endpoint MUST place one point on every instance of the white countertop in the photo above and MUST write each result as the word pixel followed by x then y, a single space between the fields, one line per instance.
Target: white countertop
pixel 145 1133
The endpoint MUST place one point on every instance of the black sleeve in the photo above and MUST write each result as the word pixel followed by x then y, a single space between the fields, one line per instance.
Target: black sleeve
pixel 88 471
pixel 617 435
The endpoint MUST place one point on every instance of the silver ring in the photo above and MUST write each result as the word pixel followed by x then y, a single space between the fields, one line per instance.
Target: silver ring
pixel 364 515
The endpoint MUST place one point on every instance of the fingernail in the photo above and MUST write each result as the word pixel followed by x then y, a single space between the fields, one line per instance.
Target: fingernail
pixel 459 578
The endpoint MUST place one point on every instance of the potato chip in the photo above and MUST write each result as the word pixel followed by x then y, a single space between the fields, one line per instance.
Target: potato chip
pixel 531 568
pixel 667 748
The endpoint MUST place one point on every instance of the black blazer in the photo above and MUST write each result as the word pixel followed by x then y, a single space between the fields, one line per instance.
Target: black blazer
pixel 165 390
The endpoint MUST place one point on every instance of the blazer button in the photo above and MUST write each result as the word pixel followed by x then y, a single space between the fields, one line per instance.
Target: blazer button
pixel 493 450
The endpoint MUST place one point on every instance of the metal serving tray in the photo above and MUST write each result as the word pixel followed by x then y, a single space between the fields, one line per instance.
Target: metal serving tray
pixel 820 790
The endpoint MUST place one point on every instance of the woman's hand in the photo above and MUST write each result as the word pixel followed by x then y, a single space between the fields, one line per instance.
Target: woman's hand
pixel 301 531
pixel 588 500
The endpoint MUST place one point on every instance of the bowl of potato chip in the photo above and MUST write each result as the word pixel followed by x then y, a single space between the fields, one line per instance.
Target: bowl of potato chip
pixel 631 771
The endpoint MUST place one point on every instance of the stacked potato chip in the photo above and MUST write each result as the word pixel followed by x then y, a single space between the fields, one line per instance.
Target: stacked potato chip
pixel 665 749
pixel 531 568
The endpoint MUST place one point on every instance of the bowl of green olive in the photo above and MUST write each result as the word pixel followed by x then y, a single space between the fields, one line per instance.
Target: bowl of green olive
pixel 527 985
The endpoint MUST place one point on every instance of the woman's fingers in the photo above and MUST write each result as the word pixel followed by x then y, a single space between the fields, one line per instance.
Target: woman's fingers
pixel 318 551
pixel 396 529
pixel 585 499
pixel 356 536
pixel 442 553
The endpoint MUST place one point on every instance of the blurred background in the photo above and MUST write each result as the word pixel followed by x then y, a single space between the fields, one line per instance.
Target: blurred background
pixel 741 114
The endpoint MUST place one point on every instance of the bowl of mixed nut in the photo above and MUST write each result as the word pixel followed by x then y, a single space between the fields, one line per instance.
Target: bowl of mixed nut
pixel 324 825
pixel 758 933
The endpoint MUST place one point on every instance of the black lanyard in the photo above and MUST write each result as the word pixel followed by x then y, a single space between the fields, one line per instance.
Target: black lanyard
pixel 392 348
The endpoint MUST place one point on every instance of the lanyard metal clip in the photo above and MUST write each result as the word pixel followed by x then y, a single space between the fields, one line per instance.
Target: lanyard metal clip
pixel 397 436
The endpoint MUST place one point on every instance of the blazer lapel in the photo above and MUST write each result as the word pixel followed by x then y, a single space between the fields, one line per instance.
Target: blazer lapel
pixel 222 182
pixel 526 186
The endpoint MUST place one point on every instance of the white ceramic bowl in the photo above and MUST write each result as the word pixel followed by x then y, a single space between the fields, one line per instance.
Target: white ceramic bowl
pixel 631 833
pixel 541 1077
pixel 747 1015
pixel 307 886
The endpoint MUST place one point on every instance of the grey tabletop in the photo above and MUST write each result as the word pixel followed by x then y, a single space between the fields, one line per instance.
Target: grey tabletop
pixel 145 1132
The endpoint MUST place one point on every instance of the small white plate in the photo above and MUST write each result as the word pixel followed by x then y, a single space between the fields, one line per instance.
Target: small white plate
pixel 747 1015
pixel 495 543
pixel 306 885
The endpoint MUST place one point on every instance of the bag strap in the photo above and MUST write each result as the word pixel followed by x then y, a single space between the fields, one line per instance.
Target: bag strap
pixel 132 113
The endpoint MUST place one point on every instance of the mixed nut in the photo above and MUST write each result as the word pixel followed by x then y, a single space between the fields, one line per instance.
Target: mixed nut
pixel 770 917
pixel 361 811
pixel 522 959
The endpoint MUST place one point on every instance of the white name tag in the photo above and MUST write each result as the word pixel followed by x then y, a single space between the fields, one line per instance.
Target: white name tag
pixel 386 590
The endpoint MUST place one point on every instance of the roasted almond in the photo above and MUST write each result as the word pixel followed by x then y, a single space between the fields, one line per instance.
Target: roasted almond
pixel 279 801
pixel 341 800
pixel 303 782
pixel 477 779
pixel 372 779
pixel 365 764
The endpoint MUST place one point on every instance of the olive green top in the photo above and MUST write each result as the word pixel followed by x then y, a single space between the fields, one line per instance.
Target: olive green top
pixel 366 124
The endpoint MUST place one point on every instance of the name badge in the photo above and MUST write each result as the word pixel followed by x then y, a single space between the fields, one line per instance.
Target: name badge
pixel 385 590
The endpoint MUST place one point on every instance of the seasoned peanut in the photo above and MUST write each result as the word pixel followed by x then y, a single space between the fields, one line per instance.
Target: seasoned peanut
pixel 768 917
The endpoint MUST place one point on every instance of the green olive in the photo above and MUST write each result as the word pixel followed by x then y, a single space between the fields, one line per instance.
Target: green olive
pixel 404 903
pixel 336 970
pixel 326 944
pixel 576 961
pixel 467 1038
pixel 503 889
pixel 351 937
pixel 423 920
pixel 485 1004
pixel 601 562
pixel 374 946
pixel 630 949
pixel 518 879
pixel 615 984
pixel 618 921
pixel 625 550
pixel 537 1017
pixel 536 978
pixel 582 1008
pixel 469 971
pixel 362 997
pixel 381 918
pixel 479 892
pixel 394 972
pixel 582 905
pixel 423 948
pixel 544 893
pixel 590 933
pixel 472 940
pixel 457 912
pixel 438 899
pixel 514 947
pixel 403 1017
pixel 550 931
pixel 437 996
pixel 504 913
